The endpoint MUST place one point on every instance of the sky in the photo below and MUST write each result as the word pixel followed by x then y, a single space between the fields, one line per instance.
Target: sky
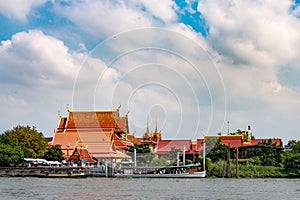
pixel 191 67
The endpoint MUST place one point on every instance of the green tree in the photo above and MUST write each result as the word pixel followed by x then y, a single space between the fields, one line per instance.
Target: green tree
pixel 54 153
pixel 292 158
pixel 292 162
pixel 270 154
pixel 28 138
pixel 215 149
pixel 140 148
pixel 160 162
pixel 10 155
pixel 294 145
pixel 144 156
pixel 172 155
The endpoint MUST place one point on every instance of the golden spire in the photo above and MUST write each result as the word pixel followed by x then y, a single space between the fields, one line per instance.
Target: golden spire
pixel 228 131
pixel 155 130
pixel 147 131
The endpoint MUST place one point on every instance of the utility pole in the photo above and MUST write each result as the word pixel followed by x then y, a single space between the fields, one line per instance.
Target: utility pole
pixel 227 169
pixel 237 162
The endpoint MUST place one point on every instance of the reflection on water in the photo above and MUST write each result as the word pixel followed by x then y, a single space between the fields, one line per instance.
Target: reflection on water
pixel 112 188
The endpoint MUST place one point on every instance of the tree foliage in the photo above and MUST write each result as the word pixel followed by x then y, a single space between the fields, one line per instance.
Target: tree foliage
pixel 270 154
pixel 21 142
pixel 292 158
pixel 28 138
pixel 10 155
pixel 140 148
pixel 160 162
pixel 172 155
pixel 54 153
pixel 215 149
pixel 143 154
pixel 292 162
pixel 294 145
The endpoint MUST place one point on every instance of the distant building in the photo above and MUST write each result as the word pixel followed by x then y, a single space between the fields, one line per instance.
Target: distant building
pixel 247 145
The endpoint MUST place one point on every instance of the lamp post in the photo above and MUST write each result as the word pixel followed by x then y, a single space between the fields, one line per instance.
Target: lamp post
pixel 68 145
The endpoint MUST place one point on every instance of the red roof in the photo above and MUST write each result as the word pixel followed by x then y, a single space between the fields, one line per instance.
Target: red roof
pixel 229 140
pixel 165 146
pixel 277 141
pixel 237 140
pixel 199 144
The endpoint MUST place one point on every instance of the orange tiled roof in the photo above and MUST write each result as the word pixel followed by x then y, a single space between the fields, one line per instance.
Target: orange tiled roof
pixel 97 142
pixel 115 154
pixel 84 153
pixel 122 124
pixel 62 123
pixel 91 119
pixel 65 140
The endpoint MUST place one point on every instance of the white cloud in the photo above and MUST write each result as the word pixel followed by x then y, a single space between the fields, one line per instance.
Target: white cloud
pixel 35 58
pixel 11 101
pixel 254 40
pixel 249 41
pixel 257 32
pixel 36 79
pixel 18 9
pixel 104 18
pixel 164 10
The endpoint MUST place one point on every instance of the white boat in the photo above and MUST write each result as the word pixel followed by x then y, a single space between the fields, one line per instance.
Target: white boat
pixel 183 171
pixel 183 175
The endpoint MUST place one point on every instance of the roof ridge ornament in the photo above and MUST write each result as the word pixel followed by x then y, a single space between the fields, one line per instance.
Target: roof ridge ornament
pixel 148 131
pixel 119 107
pixel 155 130
pixel 58 112
pixel 68 108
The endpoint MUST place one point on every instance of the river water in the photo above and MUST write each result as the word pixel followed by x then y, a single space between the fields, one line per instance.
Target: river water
pixel 113 188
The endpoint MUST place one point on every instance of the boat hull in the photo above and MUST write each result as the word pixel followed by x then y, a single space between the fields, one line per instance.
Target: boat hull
pixel 82 175
pixel 184 175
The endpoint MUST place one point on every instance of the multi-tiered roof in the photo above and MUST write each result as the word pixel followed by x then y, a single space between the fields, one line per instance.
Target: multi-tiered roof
pixel 97 132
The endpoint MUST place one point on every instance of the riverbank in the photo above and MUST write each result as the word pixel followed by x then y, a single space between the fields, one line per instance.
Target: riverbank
pixel 41 171
pixel 217 170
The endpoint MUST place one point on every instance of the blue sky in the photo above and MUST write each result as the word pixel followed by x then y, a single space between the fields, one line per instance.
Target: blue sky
pixel 192 65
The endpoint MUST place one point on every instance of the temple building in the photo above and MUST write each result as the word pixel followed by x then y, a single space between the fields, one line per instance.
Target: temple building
pixel 150 138
pixel 92 136
pixel 247 144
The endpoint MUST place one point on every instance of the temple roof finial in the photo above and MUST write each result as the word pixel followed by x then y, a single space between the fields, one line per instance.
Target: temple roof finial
pixel 59 114
pixel 67 106
pixel 155 131
pixel 148 131
pixel 119 107
pixel 228 128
